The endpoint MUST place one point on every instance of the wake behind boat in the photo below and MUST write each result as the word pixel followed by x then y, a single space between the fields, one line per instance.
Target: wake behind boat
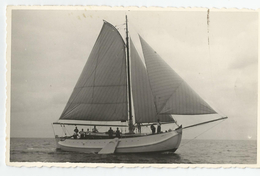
pixel 116 86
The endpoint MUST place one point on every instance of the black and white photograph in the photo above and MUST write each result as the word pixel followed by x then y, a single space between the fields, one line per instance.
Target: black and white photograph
pixel 132 86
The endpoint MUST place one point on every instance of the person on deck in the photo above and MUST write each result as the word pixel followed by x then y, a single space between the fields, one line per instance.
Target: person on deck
pixel 139 127
pixel 118 133
pixel 76 130
pixel 81 133
pixel 158 126
pixel 110 133
pixel 153 129
pixel 94 130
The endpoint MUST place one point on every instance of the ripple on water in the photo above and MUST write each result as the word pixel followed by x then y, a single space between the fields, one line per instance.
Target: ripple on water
pixel 194 152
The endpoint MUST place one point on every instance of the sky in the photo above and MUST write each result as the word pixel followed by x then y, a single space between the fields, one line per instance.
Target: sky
pixel 218 60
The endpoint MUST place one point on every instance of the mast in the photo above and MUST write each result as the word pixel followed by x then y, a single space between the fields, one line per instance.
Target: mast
pixel 130 122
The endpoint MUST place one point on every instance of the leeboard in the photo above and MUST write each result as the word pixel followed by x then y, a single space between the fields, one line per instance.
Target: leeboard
pixel 110 147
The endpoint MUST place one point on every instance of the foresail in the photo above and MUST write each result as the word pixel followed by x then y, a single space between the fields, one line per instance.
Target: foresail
pixel 100 93
pixel 144 107
pixel 171 94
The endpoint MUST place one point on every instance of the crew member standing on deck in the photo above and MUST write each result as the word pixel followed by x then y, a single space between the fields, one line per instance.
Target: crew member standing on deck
pixel 153 129
pixel 110 133
pixel 117 133
pixel 158 126
pixel 76 130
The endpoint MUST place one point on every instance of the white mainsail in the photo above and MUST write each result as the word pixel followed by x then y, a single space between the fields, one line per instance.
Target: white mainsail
pixel 101 93
pixel 171 94
pixel 144 107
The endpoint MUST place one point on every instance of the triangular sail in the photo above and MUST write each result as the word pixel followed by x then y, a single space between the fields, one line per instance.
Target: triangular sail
pixel 171 94
pixel 144 107
pixel 100 93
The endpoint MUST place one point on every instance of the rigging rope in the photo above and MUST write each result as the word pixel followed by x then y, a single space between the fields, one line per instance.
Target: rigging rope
pixel 63 129
pixel 66 130
pixel 53 129
pixel 202 133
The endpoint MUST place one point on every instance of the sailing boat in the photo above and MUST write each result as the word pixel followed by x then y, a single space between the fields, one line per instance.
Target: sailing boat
pixel 115 86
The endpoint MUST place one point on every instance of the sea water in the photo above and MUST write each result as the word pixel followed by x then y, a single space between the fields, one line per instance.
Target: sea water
pixel 189 152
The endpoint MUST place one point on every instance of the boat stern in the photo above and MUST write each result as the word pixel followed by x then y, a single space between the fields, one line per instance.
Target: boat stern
pixel 57 139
